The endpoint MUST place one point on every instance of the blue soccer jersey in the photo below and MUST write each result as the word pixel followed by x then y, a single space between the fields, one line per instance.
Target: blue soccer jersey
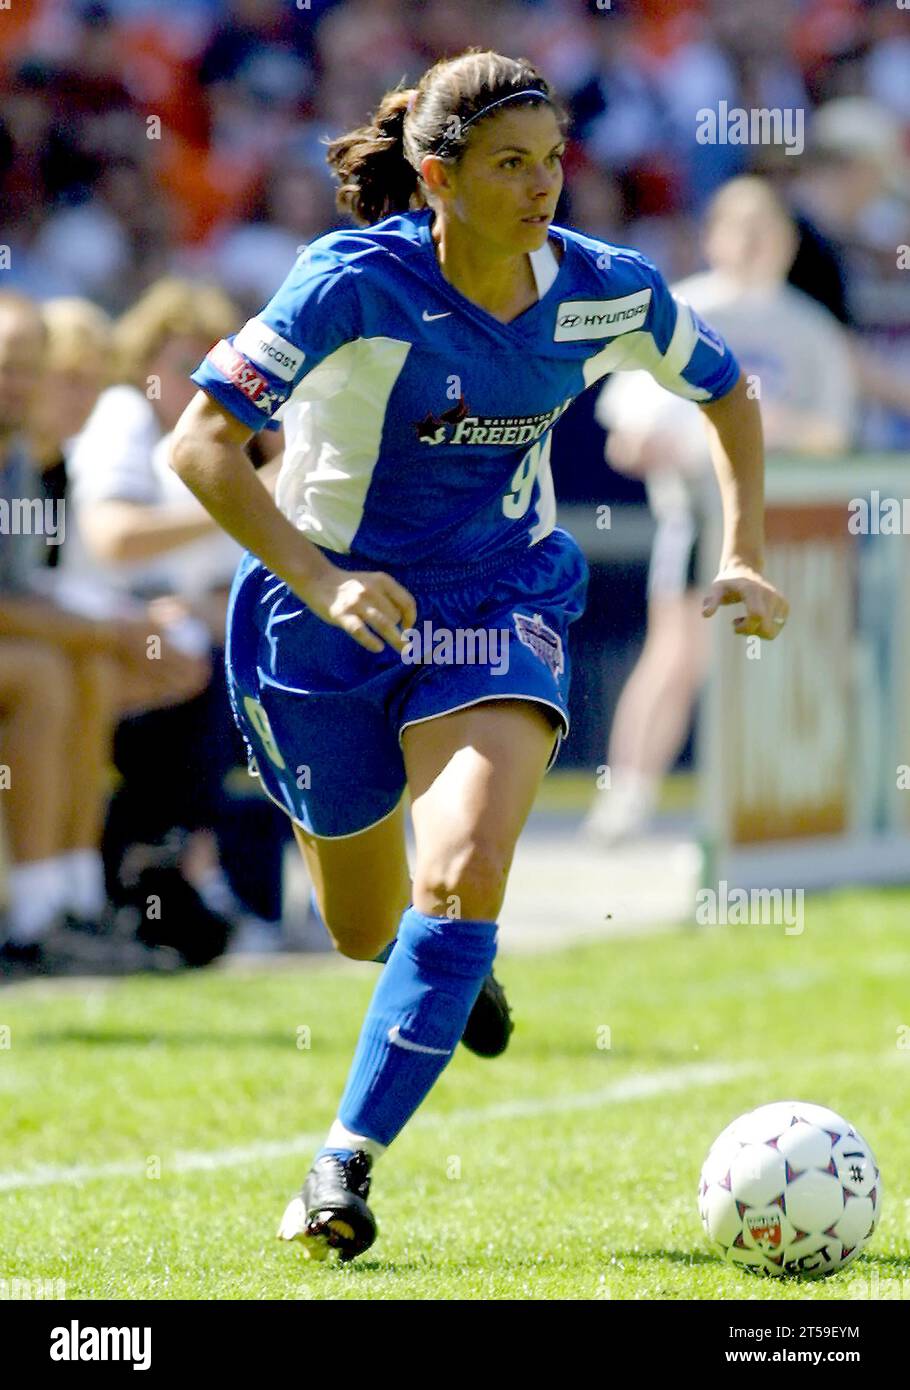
pixel 417 425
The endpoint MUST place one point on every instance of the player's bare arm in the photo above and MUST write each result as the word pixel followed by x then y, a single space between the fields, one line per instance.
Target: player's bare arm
pixel 207 453
pixel 737 452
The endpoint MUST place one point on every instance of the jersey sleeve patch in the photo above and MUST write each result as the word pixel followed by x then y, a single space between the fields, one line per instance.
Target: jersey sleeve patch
pixel 239 384
pixel 253 372
pixel 262 345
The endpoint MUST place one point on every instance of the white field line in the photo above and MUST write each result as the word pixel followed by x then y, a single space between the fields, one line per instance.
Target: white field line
pixel 641 1087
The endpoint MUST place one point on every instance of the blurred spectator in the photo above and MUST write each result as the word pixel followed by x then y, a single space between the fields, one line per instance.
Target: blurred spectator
pixel 855 194
pixel 374 41
pixel 246 88
pixel 888 60
pixel 110 246
pixel 619 112
pixel 251 257
pixel 139 522
pixel 596 202
pixel 250 33
pixel 77 363
pixel 796 359
pixel 145 532
pixel 63 681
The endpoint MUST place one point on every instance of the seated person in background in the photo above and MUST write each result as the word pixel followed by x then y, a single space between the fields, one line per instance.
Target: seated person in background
pixel 799 361
pixel 76 366
pixel 140 528
pixel 65 679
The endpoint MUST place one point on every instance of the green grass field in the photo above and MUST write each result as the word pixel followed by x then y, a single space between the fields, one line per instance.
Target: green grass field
pixel 565 1169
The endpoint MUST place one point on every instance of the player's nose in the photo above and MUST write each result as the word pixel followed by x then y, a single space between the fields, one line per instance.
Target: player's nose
pixel 542 181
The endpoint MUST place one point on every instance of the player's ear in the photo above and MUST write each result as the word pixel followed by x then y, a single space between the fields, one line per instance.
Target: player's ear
pixel 436 174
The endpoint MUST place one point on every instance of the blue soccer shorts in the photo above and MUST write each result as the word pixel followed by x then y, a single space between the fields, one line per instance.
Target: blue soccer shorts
pixel 323 717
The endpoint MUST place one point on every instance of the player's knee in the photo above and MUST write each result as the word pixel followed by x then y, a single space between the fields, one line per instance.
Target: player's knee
pixel 467 880
pixel 357 937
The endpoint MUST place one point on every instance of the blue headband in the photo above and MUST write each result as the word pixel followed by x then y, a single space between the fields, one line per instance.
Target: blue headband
pixel 513 96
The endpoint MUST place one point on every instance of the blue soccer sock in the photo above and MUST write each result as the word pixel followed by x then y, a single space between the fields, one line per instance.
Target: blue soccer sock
pixel 415 1020
pixel 383 957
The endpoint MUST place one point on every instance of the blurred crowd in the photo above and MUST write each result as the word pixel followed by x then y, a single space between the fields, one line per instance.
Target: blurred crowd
pixel 127 848
pixel 161 165
pixel 145 137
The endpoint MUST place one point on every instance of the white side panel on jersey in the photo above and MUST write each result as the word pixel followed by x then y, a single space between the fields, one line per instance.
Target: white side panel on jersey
pixel 640 350
pixel 333 427
pixel 546 501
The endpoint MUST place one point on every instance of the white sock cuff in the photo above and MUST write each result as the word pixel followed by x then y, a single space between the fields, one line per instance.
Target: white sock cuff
pixel 341 1138
pixel 86 893
pixel 38 894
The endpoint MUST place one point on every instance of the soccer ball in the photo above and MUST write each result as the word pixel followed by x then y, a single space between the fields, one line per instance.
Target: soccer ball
pixel 790 1188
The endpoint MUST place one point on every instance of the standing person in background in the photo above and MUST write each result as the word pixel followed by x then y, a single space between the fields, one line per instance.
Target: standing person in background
pixel 797 358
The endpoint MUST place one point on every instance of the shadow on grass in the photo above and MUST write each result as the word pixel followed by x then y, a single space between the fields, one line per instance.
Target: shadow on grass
pixel 188 1037
pixel 63 1037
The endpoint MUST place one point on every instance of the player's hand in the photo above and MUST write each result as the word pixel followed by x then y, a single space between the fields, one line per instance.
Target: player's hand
pixel 766 609
pixel 369 606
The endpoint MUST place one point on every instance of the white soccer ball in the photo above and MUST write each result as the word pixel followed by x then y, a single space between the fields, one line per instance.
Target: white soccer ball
pixel 790 1188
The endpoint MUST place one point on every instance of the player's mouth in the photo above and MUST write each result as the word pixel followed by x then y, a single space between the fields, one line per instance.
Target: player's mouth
pixel 539 221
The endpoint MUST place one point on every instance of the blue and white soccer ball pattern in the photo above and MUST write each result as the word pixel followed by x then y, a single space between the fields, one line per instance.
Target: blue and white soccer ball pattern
pixel 790 1188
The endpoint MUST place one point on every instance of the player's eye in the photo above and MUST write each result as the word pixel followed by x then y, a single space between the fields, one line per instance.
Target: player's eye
pixel 514 160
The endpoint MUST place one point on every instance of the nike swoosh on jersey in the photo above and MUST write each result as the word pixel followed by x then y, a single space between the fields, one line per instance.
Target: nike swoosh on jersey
pixel 428 318
pixel 396 1038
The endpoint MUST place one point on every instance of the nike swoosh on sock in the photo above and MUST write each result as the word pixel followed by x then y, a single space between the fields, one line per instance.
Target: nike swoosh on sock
pixel 395 1037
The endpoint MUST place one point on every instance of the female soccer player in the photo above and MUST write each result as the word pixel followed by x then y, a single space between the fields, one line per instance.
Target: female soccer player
pixel 419 365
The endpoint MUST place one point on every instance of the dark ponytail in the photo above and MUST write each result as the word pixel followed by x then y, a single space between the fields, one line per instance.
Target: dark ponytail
pixel 370 165
pixel 377 165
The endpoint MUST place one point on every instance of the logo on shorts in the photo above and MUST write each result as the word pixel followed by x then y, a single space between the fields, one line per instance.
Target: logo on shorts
pixel 542 640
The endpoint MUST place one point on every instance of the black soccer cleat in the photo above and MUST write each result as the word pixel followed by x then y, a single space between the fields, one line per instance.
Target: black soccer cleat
pixel 331 1212
pixel 489 1024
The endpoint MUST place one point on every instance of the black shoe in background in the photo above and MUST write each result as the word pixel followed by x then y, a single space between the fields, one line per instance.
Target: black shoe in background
pixel 173 915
